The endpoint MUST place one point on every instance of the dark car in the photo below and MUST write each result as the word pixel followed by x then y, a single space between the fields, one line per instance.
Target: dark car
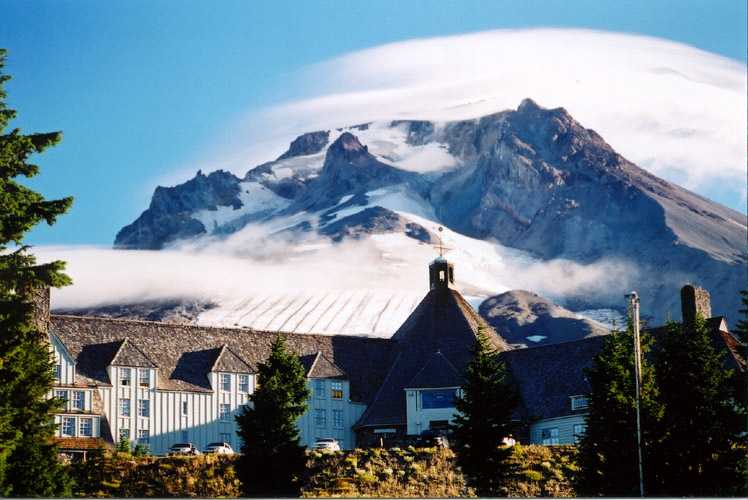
pixel 430 438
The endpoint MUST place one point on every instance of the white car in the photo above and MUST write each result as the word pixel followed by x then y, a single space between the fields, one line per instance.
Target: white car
pixel 224 448
pixel 326 444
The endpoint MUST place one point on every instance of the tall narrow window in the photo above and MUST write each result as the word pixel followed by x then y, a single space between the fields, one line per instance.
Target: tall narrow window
pixel 578 431
pixel 223 412
pixel 86 427
pixel 144 378
pixel 79 400
pixel 319 388
pixel 224 437
pixel 58 372
pixel 225 382
pixel 185 408
pixel 185 436
pixel 320 418
pixel 68 426
pixel 143 408
pixel 125 433
pixel 124 376
pixel 124 407
pixel 337 390
pixel 337 419
pixel 144 436
pixel 62 395
pixel 243 383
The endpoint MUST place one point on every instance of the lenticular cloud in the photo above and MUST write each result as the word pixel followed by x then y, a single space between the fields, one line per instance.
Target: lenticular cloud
pixel 672 109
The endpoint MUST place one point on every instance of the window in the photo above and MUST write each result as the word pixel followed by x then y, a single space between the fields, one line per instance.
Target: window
pixel 144 436
pixel 320 418
pixel 124 407
pixel 68 426
pixel 243 383
pixel 79 400
pixel 86 427
pixel 124 376
pixel 185 436
pixel 125 433
pixel 185 407
pixel 224 437
pixel 579 432
pixel 319 388
pixel 337 390
pixel 225 382
pixel 578 402
pixel 58 372
pixel 144 378
pixel 223 412
pixel 337 419
pixel 143 408
pixel 62 395
pixel 550 436
pixel 437 399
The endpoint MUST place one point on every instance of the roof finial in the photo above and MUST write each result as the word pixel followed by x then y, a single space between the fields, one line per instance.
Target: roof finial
pixel 442 248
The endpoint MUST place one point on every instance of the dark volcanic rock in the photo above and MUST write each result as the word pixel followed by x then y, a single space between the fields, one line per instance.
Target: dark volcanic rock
pixel 307 144
pixel 376 220
pixel 169 217
pixel 525 319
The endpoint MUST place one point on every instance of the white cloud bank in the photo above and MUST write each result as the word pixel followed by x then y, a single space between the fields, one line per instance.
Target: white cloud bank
pixel 675 110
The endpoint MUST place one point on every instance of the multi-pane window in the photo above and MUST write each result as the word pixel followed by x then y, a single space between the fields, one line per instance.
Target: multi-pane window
pixel 224 437
pixel 578 432
pixel 337 419
pixel 337 390
pixel 185 436
pixel 62 395
pixel 68 426
pixel 225 382
pixel 79 400
pixel 144 436
pixel 320 418
pixel 319 388
pixel 185 407
pixel 144 378
pixel 143 408
pixel 124 376
pixel 578 402
pixel 86 427
pixel 124 407
pixel 223 412
pixel 58 372
pixel 125 433
pixel 550 436
pixel 243 383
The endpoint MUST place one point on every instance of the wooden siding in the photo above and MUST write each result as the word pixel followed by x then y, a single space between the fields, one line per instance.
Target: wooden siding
pixel 565 426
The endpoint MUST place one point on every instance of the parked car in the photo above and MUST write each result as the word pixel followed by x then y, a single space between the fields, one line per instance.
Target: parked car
pixel 183 449
pixel 224 448
pixel 430 438
pixel 326 444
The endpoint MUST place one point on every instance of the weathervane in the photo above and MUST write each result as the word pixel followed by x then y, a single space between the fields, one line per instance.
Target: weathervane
pixel 441 247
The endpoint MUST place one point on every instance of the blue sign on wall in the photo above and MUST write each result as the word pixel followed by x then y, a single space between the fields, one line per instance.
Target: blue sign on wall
pixel 438 399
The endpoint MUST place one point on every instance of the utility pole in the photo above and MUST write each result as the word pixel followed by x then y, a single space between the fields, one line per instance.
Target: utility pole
pixel 633 299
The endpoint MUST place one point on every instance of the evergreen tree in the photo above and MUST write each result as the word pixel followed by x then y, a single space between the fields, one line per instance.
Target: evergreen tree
pixel 703 452
pixel 28 462
pixel 741 328
pixel 272 457
pixel 485 418
pixel 608 450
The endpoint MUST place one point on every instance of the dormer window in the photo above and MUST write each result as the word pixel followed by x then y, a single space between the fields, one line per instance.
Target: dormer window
pixel 579 402
pixel 124 376
pixel 225 381
pixel 144 378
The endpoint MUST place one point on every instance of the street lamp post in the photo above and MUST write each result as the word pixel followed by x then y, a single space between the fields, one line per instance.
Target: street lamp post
pixel 633 299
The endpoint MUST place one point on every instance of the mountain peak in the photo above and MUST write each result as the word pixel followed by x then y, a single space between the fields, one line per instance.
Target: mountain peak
pixel 348 146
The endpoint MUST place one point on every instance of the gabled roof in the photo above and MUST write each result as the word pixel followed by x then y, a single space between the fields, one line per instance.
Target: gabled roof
pixel 443 322
pixel 185 354
pixel 228 361
pixel 128 354
pixel 318 366
pixel 438 372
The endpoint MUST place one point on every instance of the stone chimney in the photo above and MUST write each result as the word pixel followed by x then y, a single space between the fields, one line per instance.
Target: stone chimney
pixel 40 299
pixel 694 301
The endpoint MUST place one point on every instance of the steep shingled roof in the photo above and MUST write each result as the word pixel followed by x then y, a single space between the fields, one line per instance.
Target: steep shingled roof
pixel 318 366
pixel 443 322
pixel 185 354
pixel 438 372
pixel 129 355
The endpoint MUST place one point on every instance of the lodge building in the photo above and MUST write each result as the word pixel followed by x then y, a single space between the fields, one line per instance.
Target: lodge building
pixel 160 384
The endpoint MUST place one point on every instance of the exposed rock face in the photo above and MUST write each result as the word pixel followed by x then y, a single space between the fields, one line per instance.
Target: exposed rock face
pixel 169 217
pixel 307 144
pixel 525 319
pixel 376 220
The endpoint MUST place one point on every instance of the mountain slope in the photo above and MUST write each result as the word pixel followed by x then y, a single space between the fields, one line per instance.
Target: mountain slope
pixel 532 179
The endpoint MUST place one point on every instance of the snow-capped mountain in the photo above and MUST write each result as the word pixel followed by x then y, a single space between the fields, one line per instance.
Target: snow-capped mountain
pixel 528 199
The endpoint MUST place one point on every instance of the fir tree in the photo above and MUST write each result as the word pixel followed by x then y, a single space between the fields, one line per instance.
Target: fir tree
pixel 272 457
pixel 608 450
pixel 485 418
pixel 28 461
pixel 703 452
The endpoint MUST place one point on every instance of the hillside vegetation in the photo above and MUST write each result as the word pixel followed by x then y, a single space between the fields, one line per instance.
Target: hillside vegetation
pixel 537 471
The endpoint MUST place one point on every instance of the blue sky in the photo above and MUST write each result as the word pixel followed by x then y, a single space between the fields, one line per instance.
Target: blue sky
pixel 141 89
